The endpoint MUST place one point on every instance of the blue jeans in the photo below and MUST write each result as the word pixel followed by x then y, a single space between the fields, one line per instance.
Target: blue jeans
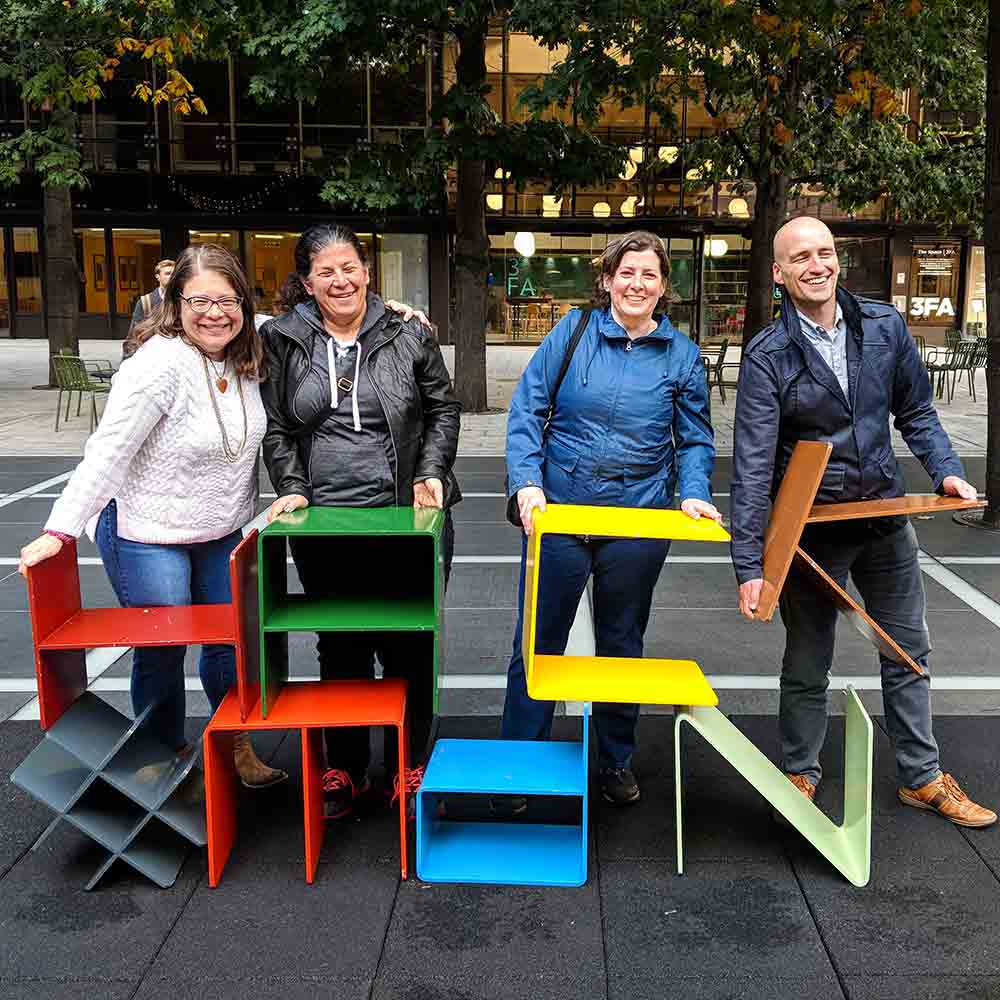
pixel 883 565
pixel 145 575
pixel 625 572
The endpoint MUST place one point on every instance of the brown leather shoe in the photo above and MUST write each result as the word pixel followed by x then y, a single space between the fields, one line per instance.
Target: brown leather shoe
pixel 943 796
pixel 803 784
pixel 253 772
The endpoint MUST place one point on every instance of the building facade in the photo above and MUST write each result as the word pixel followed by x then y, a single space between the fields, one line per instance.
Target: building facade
pixel 249 177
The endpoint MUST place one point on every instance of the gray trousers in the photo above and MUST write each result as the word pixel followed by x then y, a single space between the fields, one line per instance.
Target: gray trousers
pixel 885 570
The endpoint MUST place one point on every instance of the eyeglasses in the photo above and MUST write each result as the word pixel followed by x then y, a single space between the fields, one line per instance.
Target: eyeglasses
pixel 203 304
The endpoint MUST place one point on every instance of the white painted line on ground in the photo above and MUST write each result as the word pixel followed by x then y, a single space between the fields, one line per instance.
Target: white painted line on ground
pixel 31 491
pixel 963 590
pixel 27 713
pixel 33 496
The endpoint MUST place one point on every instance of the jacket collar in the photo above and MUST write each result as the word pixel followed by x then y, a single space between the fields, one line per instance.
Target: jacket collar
pixel 818 368
pixel 305 320
pixel 611 329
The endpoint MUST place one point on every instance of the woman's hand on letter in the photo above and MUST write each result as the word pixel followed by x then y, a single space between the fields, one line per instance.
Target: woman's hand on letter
pixel 428 493
pixel 408 312
pixel 286 504
pixel 528 499
pixel 42 548
pixel 700 508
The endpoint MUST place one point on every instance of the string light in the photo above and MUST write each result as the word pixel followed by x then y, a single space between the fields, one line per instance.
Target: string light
pixel 210 203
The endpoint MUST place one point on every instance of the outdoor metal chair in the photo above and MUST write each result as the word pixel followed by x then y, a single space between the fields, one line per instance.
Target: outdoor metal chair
pixel 713 368
pixel 945 366
pixel 73 374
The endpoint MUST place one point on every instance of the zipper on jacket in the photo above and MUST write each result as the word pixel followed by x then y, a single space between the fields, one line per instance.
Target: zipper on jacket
pixel 385 413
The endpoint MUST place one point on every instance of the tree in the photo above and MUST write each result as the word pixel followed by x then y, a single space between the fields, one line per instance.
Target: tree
pixel 794 90
pixel 59 53
pixel 298 41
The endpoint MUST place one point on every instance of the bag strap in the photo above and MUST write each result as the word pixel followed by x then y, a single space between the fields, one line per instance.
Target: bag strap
pixel 571 347
pixel 147 304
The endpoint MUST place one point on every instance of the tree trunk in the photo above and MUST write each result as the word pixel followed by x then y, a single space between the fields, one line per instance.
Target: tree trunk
pixel 991 227
pixel 769 214
pixel 62 280
pixel 471 243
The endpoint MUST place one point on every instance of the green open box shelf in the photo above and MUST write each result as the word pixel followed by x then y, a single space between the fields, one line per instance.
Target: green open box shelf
pixel 405 541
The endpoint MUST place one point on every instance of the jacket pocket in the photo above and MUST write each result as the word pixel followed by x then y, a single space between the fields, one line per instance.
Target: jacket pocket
pixel 832 486
pixel 559 472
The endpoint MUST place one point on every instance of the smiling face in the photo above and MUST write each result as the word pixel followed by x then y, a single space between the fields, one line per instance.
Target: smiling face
pixel 212 331
pixel 636 286
pixel 339 283
pixel 806 264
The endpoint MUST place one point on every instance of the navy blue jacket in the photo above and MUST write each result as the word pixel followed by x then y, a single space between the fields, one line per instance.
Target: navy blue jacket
pixel 787 393
pixel 631 418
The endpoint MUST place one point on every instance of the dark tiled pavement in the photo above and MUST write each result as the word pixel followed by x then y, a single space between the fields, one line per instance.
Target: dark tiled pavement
pixel 757 914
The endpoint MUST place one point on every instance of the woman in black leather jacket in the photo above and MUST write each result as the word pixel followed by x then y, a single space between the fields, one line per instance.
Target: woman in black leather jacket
pixel 360 413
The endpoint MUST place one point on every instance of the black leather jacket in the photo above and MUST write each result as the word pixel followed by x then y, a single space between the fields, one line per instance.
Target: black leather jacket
pixel 787 393
pixel 412 383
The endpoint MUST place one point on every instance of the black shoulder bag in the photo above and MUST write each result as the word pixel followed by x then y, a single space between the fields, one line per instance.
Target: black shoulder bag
pixel 512 513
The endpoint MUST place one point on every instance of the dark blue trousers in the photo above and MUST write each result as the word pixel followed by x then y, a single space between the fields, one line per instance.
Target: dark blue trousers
pixel 625 571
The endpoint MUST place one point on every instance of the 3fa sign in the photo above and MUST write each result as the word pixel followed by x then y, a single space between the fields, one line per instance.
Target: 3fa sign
pixel 928 306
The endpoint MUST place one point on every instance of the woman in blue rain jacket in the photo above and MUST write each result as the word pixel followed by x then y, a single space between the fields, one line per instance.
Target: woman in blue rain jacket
pixel 630 425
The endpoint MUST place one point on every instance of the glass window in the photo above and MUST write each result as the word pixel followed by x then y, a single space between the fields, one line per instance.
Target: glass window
pixel 91 259
pixel 934 270
pixel 271 258
pixel 726 260
pixel 204 138
pixel 403 269
pixel 534 280
pixel 399 98
pixel 27 271
pixel 136 253
pixel 230 239
pixel 4 298
pixel 975 293
pixel 864 265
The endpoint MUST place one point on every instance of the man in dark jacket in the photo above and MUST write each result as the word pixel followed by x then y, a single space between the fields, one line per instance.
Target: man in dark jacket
pixel 834 367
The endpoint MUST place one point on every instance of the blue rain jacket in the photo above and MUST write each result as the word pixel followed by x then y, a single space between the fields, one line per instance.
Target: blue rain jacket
pixel 631 420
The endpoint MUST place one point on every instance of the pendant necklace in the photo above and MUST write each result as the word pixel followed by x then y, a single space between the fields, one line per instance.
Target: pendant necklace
pixel 221 382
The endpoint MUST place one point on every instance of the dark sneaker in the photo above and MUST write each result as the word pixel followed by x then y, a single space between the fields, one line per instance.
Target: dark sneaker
pixel 508 806
pixel 618 786
pixel 339 793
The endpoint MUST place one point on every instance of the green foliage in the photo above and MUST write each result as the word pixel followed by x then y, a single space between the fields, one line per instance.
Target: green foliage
pixel 807 91
pixel 60 54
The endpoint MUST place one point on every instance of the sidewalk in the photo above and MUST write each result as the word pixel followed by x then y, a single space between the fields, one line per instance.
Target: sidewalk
pixel 27 416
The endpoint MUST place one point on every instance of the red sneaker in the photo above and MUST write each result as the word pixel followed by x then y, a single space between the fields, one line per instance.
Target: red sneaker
pixel 339 793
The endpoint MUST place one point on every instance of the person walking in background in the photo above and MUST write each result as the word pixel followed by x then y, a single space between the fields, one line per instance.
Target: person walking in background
pixel 171 472
pixel 834 367
pixel 629 423
pixel 145 304
pixel 361 413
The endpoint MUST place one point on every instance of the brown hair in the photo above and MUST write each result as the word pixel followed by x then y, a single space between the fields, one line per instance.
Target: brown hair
pixel 246 350
pixel 608 263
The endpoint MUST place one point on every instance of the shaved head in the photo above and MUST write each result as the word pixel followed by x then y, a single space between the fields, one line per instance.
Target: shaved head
pixel 806 267
pixel 795 230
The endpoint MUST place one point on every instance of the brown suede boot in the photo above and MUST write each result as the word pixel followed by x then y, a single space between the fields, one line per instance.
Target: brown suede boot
pixel 253 772
pixel 943 796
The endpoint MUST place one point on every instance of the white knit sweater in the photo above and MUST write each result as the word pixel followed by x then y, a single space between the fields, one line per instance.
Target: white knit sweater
pixel 158 452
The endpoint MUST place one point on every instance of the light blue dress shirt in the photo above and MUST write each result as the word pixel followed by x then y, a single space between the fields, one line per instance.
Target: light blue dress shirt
pixel 831 345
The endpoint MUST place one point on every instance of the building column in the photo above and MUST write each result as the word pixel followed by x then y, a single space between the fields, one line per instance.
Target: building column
pixel 440 281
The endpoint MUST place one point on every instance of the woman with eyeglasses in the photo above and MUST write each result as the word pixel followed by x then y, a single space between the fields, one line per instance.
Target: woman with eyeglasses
pixel 169 478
